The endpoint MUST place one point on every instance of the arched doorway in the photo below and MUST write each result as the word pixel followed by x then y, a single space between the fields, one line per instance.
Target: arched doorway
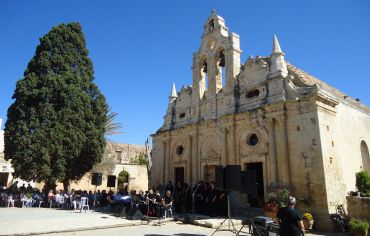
pixel 123 179
pixel 365 156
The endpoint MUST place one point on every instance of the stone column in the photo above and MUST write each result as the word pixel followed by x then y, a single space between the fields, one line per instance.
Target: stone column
pixel 196 157
pixel 164 150
pixel 282 152
pixel 233 145
pixel 271 160
pixel 189 164
pixel 168 167
pixel 211 76
pixel 225 155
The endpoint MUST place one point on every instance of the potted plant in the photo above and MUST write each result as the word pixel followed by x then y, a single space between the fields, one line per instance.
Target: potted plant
pixel 307 220
pixel 359 227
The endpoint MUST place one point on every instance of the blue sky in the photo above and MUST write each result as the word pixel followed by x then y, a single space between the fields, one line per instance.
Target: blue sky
pixel 140 47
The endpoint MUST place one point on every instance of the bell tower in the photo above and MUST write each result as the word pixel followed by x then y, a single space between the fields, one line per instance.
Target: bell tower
pixel 217 62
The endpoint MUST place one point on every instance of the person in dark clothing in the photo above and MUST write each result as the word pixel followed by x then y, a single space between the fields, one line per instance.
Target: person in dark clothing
pixel 198 196
pixel 178 198
pixel 221 203
pixel 158 204
pixel 169 187
pixel 188 198
pixel 290 220
pixel 167 202
pixel 211 200
pixel 151 201
pixel 204 199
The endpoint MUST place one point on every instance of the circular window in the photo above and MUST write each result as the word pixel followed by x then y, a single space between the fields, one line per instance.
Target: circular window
pixel 252 139
pixel 179 150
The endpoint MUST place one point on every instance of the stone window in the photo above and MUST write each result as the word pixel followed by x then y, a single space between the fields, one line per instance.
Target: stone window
pixel 203 72
pixel 119 156
pixel 221 67
pixel 253 93
pixel 182 115
pixel 313 121
pixel 252 139
pixel 332 143
pixel 365 156
pixel 298 128
pixel 179 150
pixel 211 25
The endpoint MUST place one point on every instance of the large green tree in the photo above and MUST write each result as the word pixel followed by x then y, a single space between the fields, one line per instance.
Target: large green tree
pixel 55 127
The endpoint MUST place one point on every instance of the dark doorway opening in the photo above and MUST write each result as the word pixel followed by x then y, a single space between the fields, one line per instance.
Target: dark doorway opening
pixel 179 174
pixel 4 179
pixel 257 201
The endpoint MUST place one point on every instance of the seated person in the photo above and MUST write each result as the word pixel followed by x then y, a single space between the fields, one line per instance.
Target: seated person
pixel 51 198
pixel 141 202
pixel 151 200
pixel 158 204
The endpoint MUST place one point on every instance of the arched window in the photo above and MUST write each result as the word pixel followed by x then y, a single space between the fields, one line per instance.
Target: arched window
pixel 221 74
pixel 211 25
pixel 204 72
pixel 365 156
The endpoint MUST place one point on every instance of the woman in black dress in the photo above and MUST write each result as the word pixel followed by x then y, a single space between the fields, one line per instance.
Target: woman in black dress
pixel 290 220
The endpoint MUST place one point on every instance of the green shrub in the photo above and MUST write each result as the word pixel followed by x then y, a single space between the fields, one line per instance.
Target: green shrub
pixel 363 183
pixel 358 225
pixel 282 197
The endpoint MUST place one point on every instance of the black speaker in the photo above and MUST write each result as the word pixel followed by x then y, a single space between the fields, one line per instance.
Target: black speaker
pixel 219 177
pixel 111 182
pixel 232 178
pixel 96 179
pixel 248 182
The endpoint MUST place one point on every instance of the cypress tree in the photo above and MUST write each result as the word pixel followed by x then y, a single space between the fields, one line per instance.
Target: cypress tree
pixel 55 127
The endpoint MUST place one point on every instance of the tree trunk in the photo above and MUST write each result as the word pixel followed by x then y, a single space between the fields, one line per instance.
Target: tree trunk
pixel 67 185
pixel 50 185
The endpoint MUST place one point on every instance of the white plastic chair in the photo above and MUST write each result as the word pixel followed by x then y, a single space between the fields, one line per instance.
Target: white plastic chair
pixel 10 201
pixel 168 211
pixel 84 204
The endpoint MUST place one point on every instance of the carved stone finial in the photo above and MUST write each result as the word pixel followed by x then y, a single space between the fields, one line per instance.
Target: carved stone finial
pixel 276 46
pixel 213 12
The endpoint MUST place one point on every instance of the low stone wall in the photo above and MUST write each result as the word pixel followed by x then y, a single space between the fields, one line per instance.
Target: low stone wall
pixel 359 207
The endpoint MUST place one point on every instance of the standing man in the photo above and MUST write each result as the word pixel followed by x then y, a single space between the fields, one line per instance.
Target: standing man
pixel 290 220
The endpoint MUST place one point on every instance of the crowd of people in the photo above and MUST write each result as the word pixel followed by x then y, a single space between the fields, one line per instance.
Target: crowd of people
pixel 181 198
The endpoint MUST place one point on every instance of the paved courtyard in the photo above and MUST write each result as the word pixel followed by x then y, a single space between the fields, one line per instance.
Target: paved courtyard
pixel 33 221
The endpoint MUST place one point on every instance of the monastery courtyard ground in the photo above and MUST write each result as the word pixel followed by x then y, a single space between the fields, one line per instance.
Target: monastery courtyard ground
pixel 33 221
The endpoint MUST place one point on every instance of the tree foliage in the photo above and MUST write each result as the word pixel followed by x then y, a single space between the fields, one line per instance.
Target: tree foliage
pixel 363 183
pixel 55 127
pixel 140 159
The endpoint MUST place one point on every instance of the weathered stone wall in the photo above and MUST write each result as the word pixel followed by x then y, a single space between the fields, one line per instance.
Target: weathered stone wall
pixel 359 207
pixel 138 179
pixel 124 153
pixel 309 133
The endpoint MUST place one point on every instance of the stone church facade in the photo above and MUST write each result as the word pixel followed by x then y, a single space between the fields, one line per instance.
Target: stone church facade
pixel 266 115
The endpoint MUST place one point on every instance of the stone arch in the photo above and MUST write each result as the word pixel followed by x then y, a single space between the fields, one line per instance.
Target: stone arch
pixel 220 60
pixel 365 156
pixel 203 70
pixel 123 179
pixel 211 147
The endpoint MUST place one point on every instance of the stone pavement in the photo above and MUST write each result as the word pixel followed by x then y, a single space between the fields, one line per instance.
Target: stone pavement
pixel 25 221
pixel 31 221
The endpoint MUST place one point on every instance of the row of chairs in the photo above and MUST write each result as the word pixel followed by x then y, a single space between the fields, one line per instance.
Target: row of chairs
pixel 83 203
